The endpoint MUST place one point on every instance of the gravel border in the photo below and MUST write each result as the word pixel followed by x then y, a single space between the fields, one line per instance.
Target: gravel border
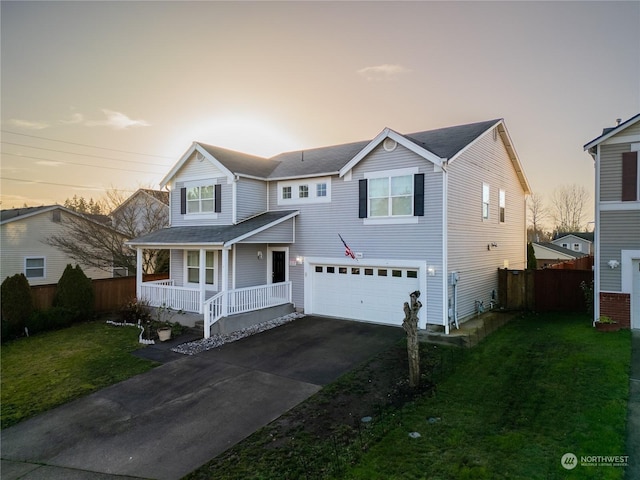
pixel 217 340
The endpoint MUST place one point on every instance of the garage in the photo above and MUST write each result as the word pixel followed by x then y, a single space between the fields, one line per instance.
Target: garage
pixel 362 292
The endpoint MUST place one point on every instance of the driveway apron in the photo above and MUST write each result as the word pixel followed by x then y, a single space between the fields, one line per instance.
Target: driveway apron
pixel 169 421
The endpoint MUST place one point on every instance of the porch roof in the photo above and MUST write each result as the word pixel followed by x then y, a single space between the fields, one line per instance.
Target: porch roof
pixel 221 235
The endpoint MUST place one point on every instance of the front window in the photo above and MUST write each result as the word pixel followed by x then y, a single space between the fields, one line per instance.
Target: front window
pixel 391 196
pixel 193 267
pixel 200 199
pixel 34 267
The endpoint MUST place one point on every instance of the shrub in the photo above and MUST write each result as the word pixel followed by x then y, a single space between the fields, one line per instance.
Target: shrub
pixel 135 310
pixel 51 319
pixel 587 291
pixel 75 292
pixel 532 262
pixel 17 303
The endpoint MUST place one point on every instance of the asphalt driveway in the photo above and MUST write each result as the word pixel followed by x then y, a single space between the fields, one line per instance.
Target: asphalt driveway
pixel 167 422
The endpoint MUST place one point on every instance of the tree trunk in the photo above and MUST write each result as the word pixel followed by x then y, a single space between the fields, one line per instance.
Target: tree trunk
pixel 410 325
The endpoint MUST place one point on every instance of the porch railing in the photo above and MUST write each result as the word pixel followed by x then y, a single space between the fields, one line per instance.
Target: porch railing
pixel 163 292
pixel 243 300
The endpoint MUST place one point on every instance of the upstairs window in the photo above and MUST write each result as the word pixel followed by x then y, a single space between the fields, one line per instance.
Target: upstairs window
pixel 200 199
pixel 577 247
pixel 485 201
pixel 286 193
pixel 300 192
pixel 391 196
pixel 630 177
pixel 303 191
pixel 503 202
pixel 321 190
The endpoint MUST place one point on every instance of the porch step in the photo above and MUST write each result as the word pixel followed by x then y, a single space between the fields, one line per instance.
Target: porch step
pixel 237 322
pixel 470 332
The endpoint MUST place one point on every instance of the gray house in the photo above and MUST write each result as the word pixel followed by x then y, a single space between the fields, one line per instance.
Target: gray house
pixel 617 232
pixel 580 242
pixel 347 230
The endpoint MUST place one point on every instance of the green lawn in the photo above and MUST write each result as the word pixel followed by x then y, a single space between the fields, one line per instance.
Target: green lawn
pixel 538 388
pixel 509 408
pixel 49 369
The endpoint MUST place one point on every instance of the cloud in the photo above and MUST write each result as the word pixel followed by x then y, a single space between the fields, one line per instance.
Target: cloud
pixel 29 124
pixel 76 118
pixel 120 121
pixel 49 163
pixel 383 72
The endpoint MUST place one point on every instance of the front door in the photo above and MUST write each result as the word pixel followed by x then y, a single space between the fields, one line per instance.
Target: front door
pixel 278 266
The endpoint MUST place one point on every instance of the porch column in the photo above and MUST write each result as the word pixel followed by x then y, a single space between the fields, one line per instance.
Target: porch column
pixel 224 280
pixel 138 272
pixel 202 279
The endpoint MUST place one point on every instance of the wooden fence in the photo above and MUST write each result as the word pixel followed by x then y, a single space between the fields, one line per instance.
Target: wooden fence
pixel 547 290
pixel 583 263
pixel 110 293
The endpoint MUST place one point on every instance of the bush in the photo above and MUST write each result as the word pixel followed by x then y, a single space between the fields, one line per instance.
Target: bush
pixel 52 319
pixel 17 303
pixel 75 292
pixel 135 310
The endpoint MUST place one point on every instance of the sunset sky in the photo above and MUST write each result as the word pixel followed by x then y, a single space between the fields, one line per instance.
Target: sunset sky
pixel 142 80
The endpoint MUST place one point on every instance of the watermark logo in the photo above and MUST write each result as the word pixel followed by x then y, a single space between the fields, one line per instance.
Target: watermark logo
pixel 569 461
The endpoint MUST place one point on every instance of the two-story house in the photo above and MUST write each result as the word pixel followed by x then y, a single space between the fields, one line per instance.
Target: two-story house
pixel 347 230
pixel 581 242
pixel 617 232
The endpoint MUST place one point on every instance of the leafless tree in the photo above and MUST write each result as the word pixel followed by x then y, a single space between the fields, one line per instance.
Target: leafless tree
pixel 410 325
pixel 102 245
pixel 538 213
pixel 568 205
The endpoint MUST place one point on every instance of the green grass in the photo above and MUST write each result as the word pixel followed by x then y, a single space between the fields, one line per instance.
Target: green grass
pixel 47 370
pixel 509 408
pixel 538 388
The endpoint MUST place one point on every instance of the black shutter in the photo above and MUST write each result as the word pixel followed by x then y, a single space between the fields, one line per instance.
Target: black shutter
pixel 183 201
pixel 218 198
pixel 362 204
pixel 418 195
pixel 629 176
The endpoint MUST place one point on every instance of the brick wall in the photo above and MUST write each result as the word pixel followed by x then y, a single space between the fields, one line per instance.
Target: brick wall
pixel 616 306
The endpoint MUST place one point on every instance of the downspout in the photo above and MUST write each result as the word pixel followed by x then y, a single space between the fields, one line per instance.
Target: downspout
pixel 596 238
pixel 445 248
pixel 138 272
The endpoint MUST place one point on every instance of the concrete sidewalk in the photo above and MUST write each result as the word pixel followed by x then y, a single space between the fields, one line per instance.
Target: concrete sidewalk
pixel 169 421
pixel 632 471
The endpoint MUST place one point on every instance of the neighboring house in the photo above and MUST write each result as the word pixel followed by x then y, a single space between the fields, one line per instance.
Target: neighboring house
pixel 581 242
pixel 437 211
pixel 617 232
pixel 24 249
pixel 549 254
pixel 144 212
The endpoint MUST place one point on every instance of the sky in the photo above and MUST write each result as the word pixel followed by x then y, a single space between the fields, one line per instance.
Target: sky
pixel 109 95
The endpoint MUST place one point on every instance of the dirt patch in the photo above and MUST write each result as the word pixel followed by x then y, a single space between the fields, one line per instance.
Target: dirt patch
pixel 333 427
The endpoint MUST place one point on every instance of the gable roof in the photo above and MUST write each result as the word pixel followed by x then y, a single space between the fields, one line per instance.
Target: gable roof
pixel 15 214
pixel 588 236
pixel 610 132
pixel 214 234
pixel 434 145
pixel 552 247
pixel 162 196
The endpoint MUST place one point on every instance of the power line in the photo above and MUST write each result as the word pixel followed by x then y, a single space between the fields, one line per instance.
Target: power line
pixel 84 145
pixel 76 163
pixel 82 154
pixel 59 184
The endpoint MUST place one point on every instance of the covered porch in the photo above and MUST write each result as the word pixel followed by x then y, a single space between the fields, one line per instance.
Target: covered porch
pixel 218 271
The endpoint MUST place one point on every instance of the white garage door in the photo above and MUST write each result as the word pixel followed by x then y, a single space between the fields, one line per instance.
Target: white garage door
pixel 374 294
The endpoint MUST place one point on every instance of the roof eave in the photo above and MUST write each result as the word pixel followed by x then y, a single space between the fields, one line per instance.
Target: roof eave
pixel 598 140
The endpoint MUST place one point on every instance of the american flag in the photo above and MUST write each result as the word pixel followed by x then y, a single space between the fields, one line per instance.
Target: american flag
pixel 347 251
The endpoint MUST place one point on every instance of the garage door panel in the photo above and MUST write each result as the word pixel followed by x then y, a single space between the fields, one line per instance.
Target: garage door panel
pixel 362 293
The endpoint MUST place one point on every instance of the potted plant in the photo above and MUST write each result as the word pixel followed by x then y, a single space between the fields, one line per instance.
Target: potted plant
pixel 606 324
pixel 164 332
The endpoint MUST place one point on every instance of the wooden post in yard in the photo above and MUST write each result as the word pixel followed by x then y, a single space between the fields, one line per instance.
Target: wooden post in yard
pixel 410 325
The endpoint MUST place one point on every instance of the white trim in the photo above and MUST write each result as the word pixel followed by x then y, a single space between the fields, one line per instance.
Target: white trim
pixel 201 271
pixel 626 275
pixel 44 266
pixel 388 133
pixel 295 185
pixel 398 172
pixel 395 220
pixel 445 251
pixel 622 139
pixel 270 251
pixel 602 138
pixel 183 159
pixel 610 206
pixel 228 243
pixel 492 128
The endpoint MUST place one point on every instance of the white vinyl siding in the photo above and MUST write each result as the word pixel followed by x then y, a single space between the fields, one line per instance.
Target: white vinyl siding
pixel 250 270
pixel 251 198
